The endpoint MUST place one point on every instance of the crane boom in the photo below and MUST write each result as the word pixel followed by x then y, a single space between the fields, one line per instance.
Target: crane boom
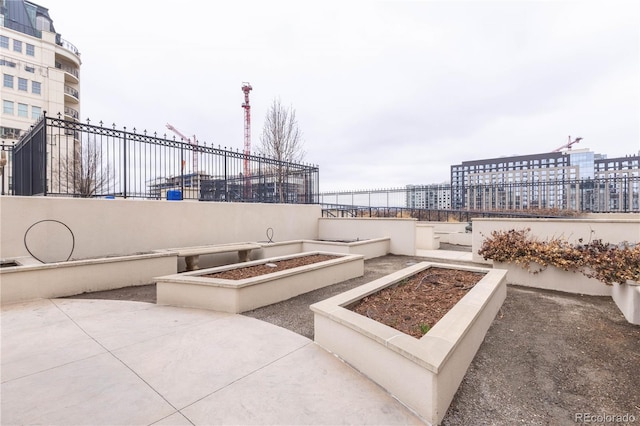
pixel 193 142
pixel 246 88
pixel 567 145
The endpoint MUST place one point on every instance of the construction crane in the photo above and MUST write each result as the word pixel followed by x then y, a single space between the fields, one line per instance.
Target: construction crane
pixel 193 142
pixel 246 88
pixel 567 145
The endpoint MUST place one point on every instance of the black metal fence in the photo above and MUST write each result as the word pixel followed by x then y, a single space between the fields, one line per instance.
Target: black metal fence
pixel 67 158
pixel 422 214
pixel 618 193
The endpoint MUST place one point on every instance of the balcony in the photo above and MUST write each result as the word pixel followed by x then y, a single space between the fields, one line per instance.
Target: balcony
pixel 71 73
pixel 71 95
pixel 70 112
pixel 67 45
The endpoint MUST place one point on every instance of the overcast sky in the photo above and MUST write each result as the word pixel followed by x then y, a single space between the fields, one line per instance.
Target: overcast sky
pixel 386 93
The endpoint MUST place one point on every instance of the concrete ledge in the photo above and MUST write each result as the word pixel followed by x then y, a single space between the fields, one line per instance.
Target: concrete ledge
pixel 192 290
pixel 34 281
pixel 627 298
pixel 553 278
pixel 423 374
pixel 371 248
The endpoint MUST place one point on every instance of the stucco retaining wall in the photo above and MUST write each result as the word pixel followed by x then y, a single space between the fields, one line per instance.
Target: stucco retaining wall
pixel 104 227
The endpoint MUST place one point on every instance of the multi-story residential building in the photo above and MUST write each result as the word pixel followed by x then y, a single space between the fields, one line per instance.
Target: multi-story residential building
pixel 573 179
pixel 40 72
pixel 616 184
pixel 432 197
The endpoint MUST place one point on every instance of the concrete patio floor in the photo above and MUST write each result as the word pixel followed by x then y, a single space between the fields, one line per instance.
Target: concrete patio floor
pixel 101 362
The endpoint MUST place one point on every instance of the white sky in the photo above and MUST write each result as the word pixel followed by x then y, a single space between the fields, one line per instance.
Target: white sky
pixel 386 93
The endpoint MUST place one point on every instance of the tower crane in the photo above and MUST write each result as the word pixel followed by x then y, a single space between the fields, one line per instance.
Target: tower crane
pixel 568 145
pixel 193 142
pixel 246 88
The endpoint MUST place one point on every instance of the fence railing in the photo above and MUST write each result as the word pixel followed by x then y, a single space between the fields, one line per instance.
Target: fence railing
pixel 58 157
pixel 429 215
pixel 617 193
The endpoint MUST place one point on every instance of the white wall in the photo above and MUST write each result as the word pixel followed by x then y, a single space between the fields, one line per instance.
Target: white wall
pixel 608 230
pixel 446 226
pixel 103 227
pixel 402 232
pixel 426 238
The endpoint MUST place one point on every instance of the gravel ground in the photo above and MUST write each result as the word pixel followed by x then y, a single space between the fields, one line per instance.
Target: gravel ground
pixel 547 358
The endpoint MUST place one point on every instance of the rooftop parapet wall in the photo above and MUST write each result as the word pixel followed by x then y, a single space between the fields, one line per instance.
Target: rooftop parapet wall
pixel 104 227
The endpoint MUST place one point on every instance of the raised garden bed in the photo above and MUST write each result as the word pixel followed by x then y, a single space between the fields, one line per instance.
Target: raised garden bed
pixel 414 305
pixel 243 287
pixel 423 373
pixel 30 279
pixel 369 248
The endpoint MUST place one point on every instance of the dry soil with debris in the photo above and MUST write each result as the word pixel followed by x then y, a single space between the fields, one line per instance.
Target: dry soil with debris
pixel 417 303
pixel 268 268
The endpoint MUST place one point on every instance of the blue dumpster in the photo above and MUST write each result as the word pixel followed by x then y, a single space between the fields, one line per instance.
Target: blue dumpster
pixel 174 194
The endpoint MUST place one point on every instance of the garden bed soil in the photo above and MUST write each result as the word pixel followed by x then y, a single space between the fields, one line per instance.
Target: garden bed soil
pixel 417 303
pixel 270 267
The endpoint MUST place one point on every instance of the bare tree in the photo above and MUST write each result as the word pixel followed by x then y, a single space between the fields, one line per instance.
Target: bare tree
pixel 84 174
pixel 281 140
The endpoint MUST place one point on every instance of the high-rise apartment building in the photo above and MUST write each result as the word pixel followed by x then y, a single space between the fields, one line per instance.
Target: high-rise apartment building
pixel 573 179
pixel 432 197
pixel 40 71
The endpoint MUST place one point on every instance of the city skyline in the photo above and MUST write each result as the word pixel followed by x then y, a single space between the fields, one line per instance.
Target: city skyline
pixel 387 94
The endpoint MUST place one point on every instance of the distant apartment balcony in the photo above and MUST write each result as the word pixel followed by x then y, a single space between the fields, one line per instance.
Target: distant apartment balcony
pixel 72 74
pixel 71 95
pixel 67 45
pixel 70 112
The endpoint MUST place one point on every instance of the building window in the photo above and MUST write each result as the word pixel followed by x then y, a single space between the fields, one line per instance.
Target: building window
pixel 36 112
pixel 35 87
pixel 27 68
pixel 17 46
pixel 4 42
pixel 23 110
pixel 8 81
pixel 31 50
pixel 7 63
pixel 22 84
pixel 7 107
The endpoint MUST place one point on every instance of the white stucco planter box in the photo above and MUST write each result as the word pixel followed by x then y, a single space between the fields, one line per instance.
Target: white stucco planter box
pixel 627 298
pixel 553 278
pixel 370 248
pixel 192 290
pixel 424 374
pixel 33 280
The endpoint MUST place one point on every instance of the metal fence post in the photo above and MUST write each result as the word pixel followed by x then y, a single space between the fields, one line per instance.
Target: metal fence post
pixel 124 150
